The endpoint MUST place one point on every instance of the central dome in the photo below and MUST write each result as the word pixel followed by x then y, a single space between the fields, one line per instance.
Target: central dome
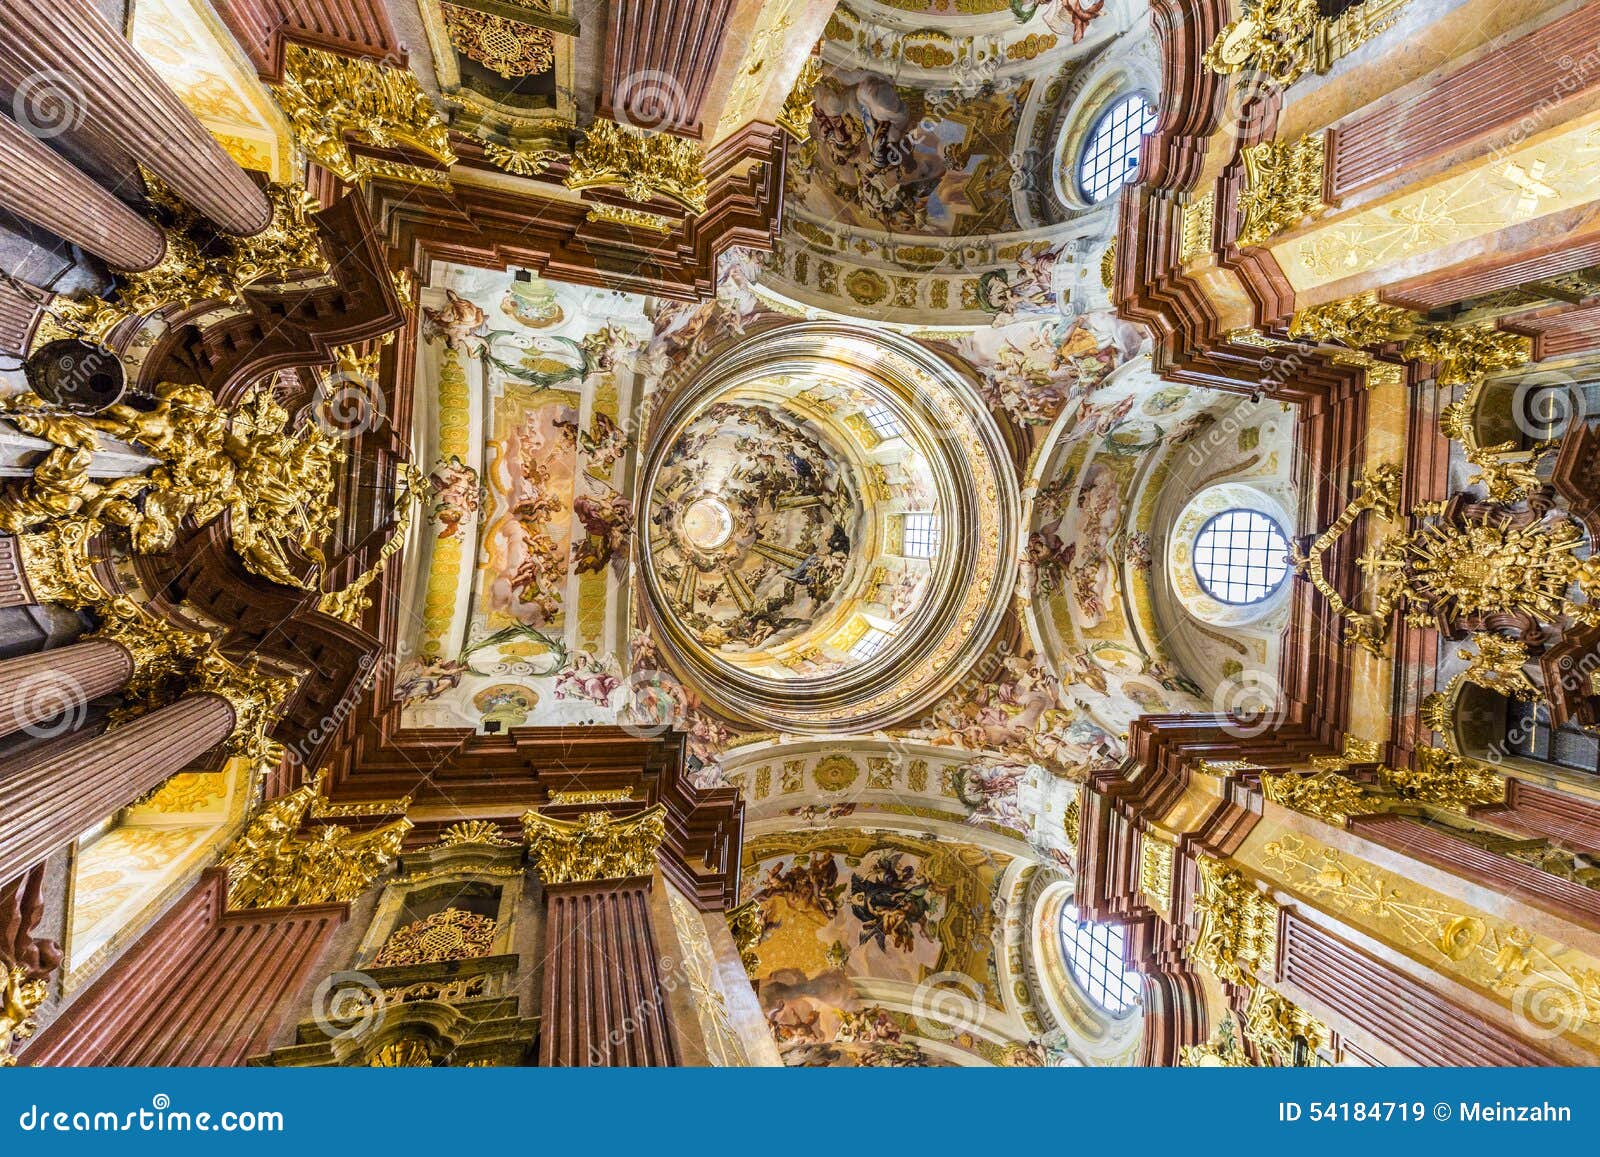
pixel 794 553
pixel 758 528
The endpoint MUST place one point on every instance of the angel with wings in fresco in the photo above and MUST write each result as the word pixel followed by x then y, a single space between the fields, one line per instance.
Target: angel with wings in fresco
pixel 892 901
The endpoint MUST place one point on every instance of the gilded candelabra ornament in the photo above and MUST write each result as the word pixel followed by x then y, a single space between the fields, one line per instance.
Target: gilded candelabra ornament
pixel 597 847
pixel 1283 185
pixel 21 994
pixel 333 100
pixel 276 865
pixel 1238 934
pixel 1282 40
pixel 508 47
pixel 275 485
pixel 642 165
pixel 747 925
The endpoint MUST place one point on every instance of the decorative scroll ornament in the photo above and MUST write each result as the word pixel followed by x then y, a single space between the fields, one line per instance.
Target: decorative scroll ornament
pixel 748 926
pixel 1356 322
pixel 630 218
pixel 642 165
pixel 1283 185
pixel 448 935
pixel 508 47
pixel 1507 472
pixel 276 486
pixel 478 833
pixel 795 116
pixel 1238 934
pixel 406 1053
pixel 351 602
pixel 332 100
pixel 597 847
pixel 523 162
pixel 272 865
pixel 1441 780
pixel 1462 355
pixel 1282 40
pixel 21 994
pixel 1282 1031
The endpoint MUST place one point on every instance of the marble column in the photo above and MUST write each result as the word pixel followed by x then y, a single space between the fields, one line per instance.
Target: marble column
pixel 44 188
pixel 604 1002
pixel 38 688
pixel 67 68
pixel 46 805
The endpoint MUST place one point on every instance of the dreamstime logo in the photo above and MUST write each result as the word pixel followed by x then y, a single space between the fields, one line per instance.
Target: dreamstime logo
pixel 1245 104
pixel 947 1004
pixel 53 701
pixel 1546 404
pixel 348 1006
pixel 347 404
pixel 47 104
pixel 1251 704
pixel 1546 1010
pixel 649 100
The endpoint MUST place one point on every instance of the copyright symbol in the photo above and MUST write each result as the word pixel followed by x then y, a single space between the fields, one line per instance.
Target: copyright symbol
pixel 1441 1111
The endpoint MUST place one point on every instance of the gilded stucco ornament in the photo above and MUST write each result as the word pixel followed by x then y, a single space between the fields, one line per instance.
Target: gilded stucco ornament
pixel 642 165
pixel 1507 472
pixel 473 833
pixel 1462 355
pixel 1238 933
pixel 1282 1031
pixel 274 865
pixel 163 653
pixel 350 602
pixel 275 485
pixel 597 847
pixel 20 997
pixel 795 116
pixel 452 934
pixel 332 100
pixel 1282 40
pixel 1440 780
pixel 522 160
pixel 1283 185
pixel 1356 322
pixel 747 925
pixel 508 47
pixel 1222 1051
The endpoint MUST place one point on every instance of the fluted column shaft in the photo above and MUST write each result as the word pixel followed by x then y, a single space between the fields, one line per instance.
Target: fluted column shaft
pixel 115 104
pixel 39 688
pixel 47 805
pixel 43 187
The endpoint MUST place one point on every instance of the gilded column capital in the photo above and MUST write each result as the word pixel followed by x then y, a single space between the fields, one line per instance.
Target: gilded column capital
pixel 1238 933
pixel 641 165
pixel 20 998
pixel 747 925
pixel 56 560
pixel 162 652
pixel 273 864
pixel 1283 185
pixel 597 847
pixel 256 699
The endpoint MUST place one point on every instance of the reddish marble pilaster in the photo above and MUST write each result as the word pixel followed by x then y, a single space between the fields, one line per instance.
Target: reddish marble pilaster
pixel 115 106
pixel 204 986
pixel 603 1001
pixel 48 804
pixel 43 187
pixel 46 685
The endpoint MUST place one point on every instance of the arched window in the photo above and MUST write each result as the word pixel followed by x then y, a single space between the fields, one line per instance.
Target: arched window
pixel 1241 557
pixel 1110 156
pixel 1095 954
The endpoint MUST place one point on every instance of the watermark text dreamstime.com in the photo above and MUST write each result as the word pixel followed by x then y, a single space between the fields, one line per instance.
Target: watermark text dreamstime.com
pixel 158 1117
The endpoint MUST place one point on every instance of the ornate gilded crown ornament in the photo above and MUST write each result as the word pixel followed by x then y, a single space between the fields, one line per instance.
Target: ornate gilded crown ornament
pixel 274 864
pixel 641 165
pixel 1282 40
pixel 597 847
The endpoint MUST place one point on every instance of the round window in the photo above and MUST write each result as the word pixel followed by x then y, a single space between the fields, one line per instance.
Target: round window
pixel 1110 156
pixel 1240 557
pixel 1094 953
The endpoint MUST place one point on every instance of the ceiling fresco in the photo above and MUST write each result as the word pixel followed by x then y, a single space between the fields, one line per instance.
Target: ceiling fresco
pixel 753 520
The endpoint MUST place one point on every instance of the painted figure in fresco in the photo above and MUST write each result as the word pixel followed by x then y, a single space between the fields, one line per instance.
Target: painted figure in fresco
pixel 891 900
pixel 1099 513
pixel 424 680
pixel 602 443
pixel 1029 292
pixel 1060 16
pixel 588 677
pixel 456 495
pixel 456 322
pixel 811 883
pixel 993 792
pixel 607 519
